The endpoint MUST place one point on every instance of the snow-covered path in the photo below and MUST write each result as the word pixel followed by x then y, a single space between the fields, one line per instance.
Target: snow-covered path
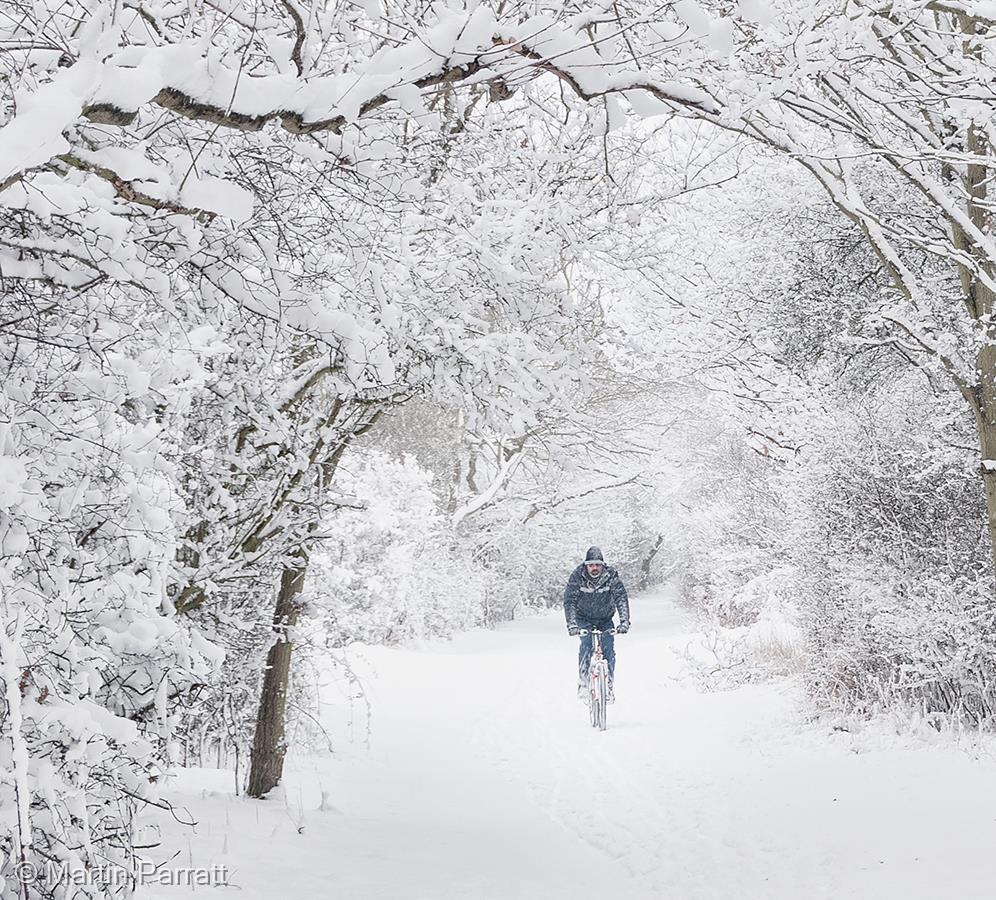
pixel 483 779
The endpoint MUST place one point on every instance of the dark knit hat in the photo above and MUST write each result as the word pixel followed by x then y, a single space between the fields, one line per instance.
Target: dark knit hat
pixel 594 555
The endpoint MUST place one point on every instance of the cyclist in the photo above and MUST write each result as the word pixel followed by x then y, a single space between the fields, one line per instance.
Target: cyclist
pixel 594 593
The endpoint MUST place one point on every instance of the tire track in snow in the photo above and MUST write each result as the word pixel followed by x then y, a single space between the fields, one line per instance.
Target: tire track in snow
pixel 614 812
pixel 624 793
pixel 574 779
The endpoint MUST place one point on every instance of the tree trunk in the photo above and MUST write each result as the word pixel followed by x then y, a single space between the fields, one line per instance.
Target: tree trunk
pixel 269 745
pixel 985 418
pixel 648 561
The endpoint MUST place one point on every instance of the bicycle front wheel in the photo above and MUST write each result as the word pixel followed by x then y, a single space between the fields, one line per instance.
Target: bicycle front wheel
pixel 599 696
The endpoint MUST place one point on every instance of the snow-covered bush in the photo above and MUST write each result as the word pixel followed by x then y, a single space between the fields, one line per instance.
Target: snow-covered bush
pixel 720 517
pixel 392 568
pixel 890 549
pixel 92 656
pixel 772 646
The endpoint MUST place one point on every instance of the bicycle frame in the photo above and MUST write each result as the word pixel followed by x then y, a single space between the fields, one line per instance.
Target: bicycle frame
pixel 598 679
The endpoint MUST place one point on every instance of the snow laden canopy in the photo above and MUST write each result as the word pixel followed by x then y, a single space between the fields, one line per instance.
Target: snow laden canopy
pixel 119 65
pixel 231 237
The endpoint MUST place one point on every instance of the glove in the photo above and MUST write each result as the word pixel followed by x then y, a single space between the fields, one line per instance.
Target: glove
pixel 622 627
pixel 573 630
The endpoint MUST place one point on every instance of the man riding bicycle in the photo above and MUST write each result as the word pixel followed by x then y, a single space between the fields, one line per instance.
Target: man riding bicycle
pixel 594 593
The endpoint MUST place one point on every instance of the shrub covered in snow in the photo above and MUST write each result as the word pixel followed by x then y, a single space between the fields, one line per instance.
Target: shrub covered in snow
pixel 393 567
pixel 890 547
pixel 92 656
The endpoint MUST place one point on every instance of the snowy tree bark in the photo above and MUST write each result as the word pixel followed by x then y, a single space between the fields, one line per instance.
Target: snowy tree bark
pixel 986 423
pixel 269 743
pixel 976 283
pixel 647 562
pixel 269 740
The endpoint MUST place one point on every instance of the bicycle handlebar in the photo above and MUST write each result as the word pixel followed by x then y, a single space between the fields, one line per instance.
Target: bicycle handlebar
pixel 584 631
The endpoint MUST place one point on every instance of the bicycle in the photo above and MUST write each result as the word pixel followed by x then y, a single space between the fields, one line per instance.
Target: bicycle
pixel 598 679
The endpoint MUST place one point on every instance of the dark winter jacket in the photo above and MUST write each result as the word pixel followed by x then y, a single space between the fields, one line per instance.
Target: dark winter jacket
pixel 594 600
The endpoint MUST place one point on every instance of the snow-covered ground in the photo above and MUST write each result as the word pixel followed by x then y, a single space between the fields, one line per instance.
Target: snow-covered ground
pixel 483 779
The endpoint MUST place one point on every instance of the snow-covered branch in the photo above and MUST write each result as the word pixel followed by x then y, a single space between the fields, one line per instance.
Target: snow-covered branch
pixel 487 496
pixel 468 48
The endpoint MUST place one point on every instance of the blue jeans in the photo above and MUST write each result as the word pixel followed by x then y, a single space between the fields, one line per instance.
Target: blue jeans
pixel 608 648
